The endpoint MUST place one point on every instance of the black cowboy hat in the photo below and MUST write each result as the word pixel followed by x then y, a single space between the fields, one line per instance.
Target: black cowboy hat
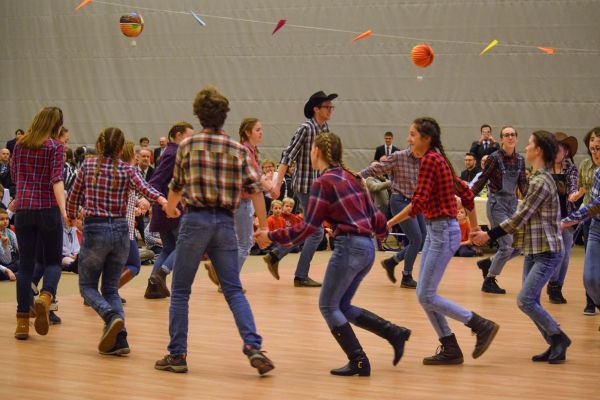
pixel 316 100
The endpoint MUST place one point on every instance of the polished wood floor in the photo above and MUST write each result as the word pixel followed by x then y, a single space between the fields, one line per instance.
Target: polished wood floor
pixel 65 364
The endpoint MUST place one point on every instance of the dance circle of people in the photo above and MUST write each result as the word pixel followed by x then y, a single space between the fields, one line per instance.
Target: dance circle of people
pixel 208 199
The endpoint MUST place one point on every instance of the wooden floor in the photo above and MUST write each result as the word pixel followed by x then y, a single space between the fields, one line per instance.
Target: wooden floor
pixel 65 364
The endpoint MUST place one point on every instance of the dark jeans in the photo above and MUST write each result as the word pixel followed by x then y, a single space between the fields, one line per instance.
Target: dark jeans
pixel 133 263
pixel 414 229
pixel 169 240
pixel 33 227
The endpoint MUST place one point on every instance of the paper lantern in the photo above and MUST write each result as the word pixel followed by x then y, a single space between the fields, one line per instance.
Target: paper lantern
pixel 131 24
pixel 422 55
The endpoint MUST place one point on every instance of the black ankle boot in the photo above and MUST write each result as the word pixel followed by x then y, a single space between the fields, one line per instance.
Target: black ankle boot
pixel 394 334
pixel 448 353
pixel 558 349
pixel 554 291
pixel 359 363
pixel 542 357
pixel 485 330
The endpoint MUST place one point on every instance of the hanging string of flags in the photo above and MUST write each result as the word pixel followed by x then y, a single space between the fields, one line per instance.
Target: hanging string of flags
pixel 422 55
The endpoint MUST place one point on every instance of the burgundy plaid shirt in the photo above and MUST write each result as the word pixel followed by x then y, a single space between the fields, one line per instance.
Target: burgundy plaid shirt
pixel 102 199
pixel 437 188
pixel 338 198
pixel 34 172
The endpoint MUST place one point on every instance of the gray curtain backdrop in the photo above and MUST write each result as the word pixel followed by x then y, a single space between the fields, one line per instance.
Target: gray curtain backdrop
pixel 52 55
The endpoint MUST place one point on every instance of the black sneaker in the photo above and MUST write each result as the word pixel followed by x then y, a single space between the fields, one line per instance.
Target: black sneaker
pixel 172 362
pixel 589 309
pixel 307 282
pixel 54 319
pixel 110 332
pixel 389 264
pixel 273 264
pixel 120 348
pixel 408 282
pixel 258 360
pixel 491 286
pixel 484 265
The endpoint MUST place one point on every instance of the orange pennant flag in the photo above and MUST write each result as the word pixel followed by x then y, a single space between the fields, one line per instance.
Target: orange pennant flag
pixel 547 50
pixel 362 36
pixel 83 3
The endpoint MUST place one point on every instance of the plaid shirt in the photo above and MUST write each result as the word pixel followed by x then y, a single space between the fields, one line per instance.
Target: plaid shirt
pixel 34 172
pixel 212 170
pixel 586 178
pixel 437 188
pixel 403 168
pixel 492 172
pixel 338 198
pixel 102 199
pixel 538 216
pixel 592 209
pixel 130 213
pixel 299 150
pixel 569 170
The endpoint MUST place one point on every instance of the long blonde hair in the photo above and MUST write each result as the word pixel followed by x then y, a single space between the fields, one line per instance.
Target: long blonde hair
pixel 128 153
pixel 45 124
pixel 109 144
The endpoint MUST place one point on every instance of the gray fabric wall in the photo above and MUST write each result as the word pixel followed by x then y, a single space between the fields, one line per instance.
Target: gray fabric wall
pixel 52 55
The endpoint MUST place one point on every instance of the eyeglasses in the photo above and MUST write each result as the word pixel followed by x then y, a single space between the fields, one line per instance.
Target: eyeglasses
pixel 595 149
pixel 509 135
pixel 330 108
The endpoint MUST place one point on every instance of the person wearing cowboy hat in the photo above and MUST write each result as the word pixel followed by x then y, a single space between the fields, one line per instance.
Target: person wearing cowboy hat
pixel 317 110
pixel 503 172
pixel 565 176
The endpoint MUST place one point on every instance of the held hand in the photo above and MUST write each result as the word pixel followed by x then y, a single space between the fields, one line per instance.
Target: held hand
pixel 573 197
pixel 11 275
pixel 565 225
pixel 382 158
pixel 479 238
pixel 172 212
pixel 262 238
pixel 275 192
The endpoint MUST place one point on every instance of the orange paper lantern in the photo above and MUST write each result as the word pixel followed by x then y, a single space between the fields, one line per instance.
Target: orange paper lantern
pixel 131 24
pixel 422 55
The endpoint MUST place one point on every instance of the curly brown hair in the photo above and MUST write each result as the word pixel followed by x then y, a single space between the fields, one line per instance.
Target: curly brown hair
pixel 211 108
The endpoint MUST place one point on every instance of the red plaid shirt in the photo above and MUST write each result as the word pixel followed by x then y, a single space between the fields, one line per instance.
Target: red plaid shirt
pixel 102 199
pixel 34 172
pixel 338 198
pixel 436 188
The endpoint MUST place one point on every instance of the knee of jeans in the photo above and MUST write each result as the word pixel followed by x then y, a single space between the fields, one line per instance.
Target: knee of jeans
pixel 524 304
pixel 426 300
pixel 327 310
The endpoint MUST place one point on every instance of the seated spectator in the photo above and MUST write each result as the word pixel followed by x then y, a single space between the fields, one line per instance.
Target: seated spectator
pixel 268 179
pixel 466 249
pixel 290 218
pixel 2 202
pixel 152 240
pixel 484 191
pixel 379 186
pixel 71 248
pixel 9 250
pixel 471 168
pixel 275 220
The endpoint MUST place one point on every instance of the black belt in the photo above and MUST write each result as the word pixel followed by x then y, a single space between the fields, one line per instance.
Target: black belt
pixel 98 220
pixel 369 235
pixel 438 219
pixel 201 209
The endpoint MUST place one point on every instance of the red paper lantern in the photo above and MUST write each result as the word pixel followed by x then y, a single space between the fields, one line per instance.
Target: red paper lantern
pixel 422 55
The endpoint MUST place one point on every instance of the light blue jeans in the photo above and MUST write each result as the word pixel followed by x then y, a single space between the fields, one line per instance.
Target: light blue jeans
pixel 414 229
pixel 441 242
pixel 537 270
pixel 561 271
pixel 166 258
pixel 244 229
pixel 500 208
pixel 351 260
pixel 103 254
pixel 310 244
pixel 591 263
pixel 208 230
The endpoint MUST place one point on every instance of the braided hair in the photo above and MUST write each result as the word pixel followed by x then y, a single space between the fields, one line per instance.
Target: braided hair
pixel 109 144
pixel 330 146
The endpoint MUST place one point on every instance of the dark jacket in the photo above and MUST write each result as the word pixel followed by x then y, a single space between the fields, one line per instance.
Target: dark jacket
pixel 380 151
pixel 160 181
pixel 479 151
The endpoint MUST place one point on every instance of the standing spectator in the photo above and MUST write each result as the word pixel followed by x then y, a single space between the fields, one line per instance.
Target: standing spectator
pixel 37 168
pixel 10 145
pixel 146 170
pixel 158 152
pixel 471 168
pixel 145 145
pixel 485 145
pixel 318 111
pixel 70 169
pixel 386 149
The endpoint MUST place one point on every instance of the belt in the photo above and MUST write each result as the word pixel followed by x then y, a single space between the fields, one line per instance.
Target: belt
pixel 99 220
pixel 439 219
pixel 201 209
pixel 369 235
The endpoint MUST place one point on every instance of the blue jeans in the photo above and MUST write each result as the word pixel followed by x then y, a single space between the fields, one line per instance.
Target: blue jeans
pixel 169 240
pixel 33 227
pixel 310 244
pixel 208 230
pixel 103 253
pixel 561 271
pixel 133 262
pixel 537 270
pixel 442 241
pixel 50 272
pixel 413 228
pixel 591 263
pixel 244 229
pixel 500 208
pixel 351 260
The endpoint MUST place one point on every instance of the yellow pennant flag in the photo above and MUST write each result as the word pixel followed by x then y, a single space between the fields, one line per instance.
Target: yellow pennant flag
pixel 492 44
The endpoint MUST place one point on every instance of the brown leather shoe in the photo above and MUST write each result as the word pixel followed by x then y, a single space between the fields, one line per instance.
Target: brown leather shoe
pixel 22 331
pixel 159 279
pixel 273 264
pixel 42 308
pixel 308 282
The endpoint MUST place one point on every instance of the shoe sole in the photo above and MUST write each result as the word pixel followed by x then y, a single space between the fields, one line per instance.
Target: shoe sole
pixel 171 368
pixel 589 313
pixel 273 267
pixel 109 338
pixel 118 352
pixel 407 286
pixel 261 365
pixel 42 319
pixel 450 362
pixel 489 341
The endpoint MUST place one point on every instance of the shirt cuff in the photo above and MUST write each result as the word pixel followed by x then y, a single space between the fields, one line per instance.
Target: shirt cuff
pixel 496 233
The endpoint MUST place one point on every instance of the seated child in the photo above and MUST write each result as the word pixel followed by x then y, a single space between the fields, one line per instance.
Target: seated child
pixel 70 249
pixel 286 212
pixel 275 220
pixel 9 250
pixel 466 249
